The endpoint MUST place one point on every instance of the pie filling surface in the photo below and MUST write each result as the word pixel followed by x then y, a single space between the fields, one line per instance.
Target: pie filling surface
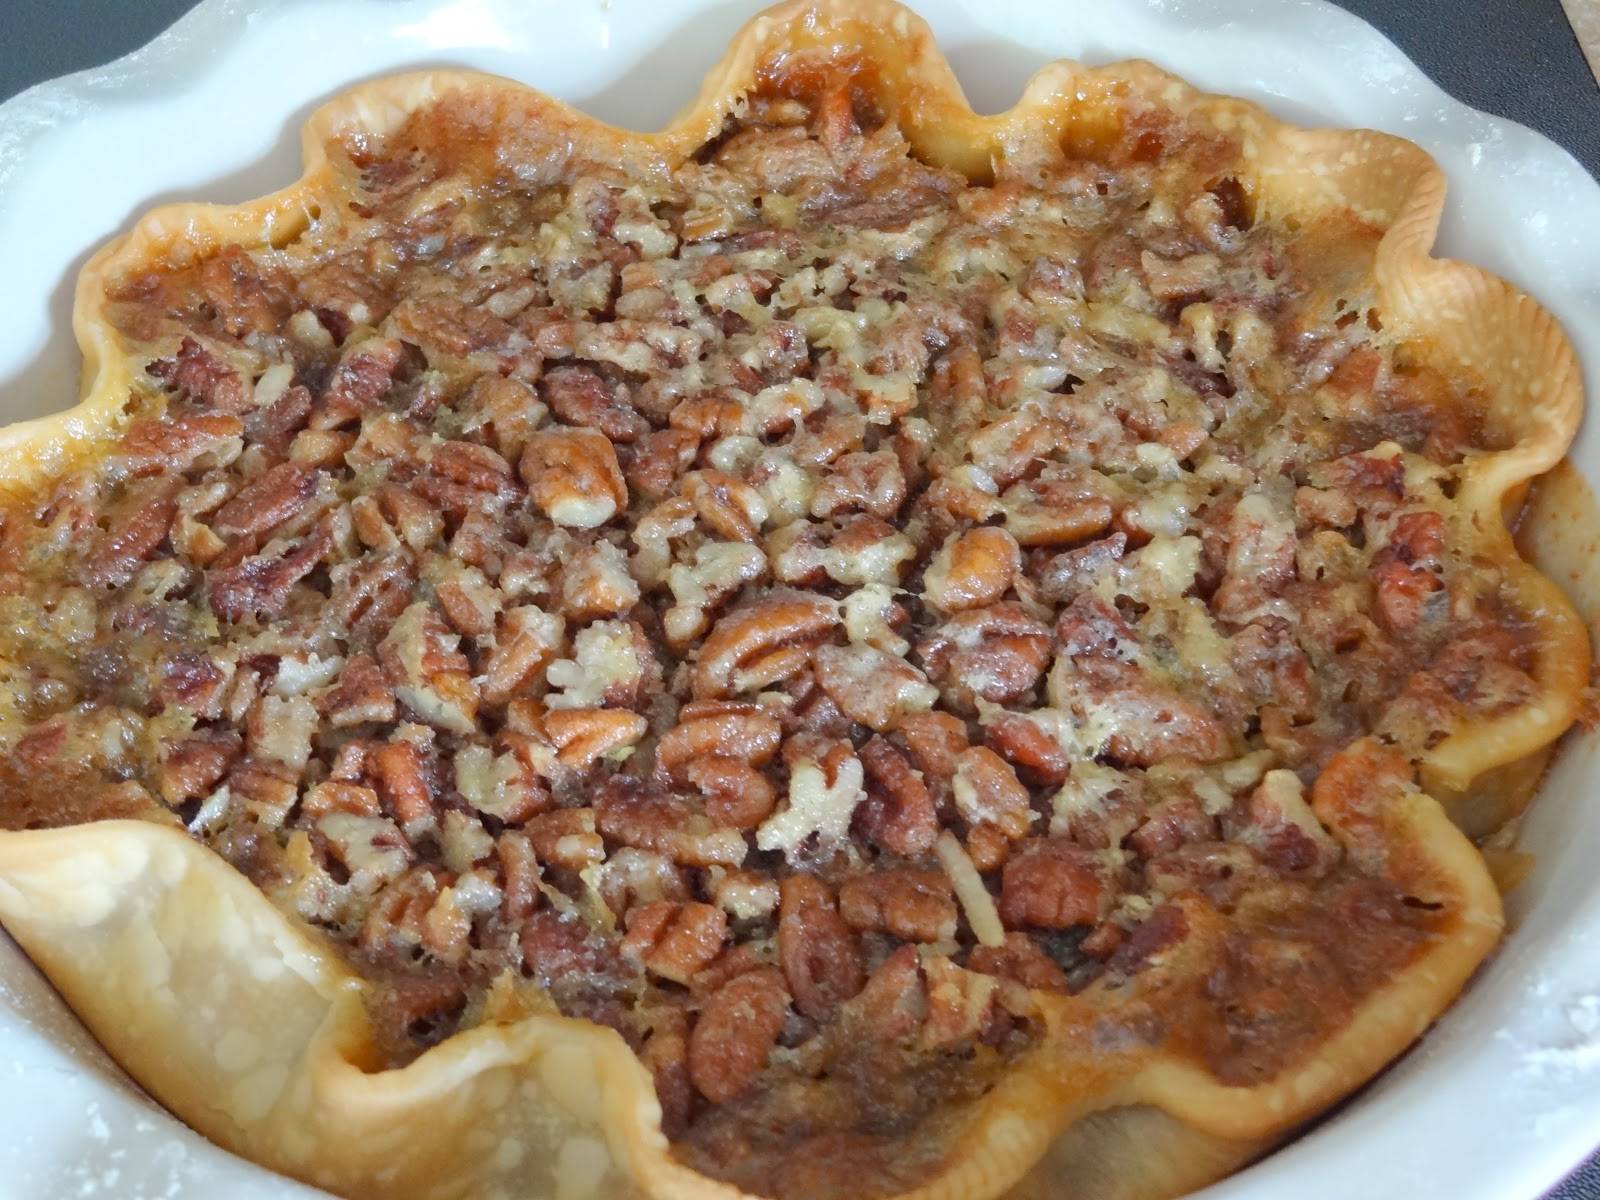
pixel 816 613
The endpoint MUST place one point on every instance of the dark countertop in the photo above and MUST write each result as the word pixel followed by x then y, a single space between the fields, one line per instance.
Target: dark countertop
pixel 1517 60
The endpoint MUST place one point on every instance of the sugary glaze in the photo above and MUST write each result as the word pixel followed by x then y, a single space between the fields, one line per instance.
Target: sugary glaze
pixel 870 429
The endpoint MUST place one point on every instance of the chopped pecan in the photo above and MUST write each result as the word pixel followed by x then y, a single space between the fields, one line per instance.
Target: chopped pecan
pixel 741 732
pixel 868 482
pixel 611 663
pixel 987 792
pixel 260 586
pixel 816 949
pixel 642 816
pixel 971 570
pixel 519 873
pixel 995 653
pixel 281 729
pixel 193 767
pixel 138 528
pixel 872 687
pixel 1053 884
pixel 899 813
pixel 404 784
pixel 276 424
pixel 431 676
pixel 529 638
pixel 737 795
pixel 463 475
pixel 565 837
pixel 1175 822
pixel 370 593
pixel 469 601
pixel 579 396
pixel 396 516
pixel 582 736
pixel 181 443
pixel 595 583
pixel 573 476
pixel 508 408
pixel 761 642
pixel 935 741
pixel 744 894
pixel 714 413
pixel 914 905
pixel 1404 571
pixel 892 1006
pixel 675 941
pixel 442 324
pixel 960 1003
pixel 1028 745
pixel 364 375
pixel 1020 960
pixel 659 459
pixel 332 795
pixel 199 374
pixel 632 878
pixel 192 681
pixel 277 497
pixel 737 1030
pixel 1041 514
pixel 731 507
pixel 557 948
pixel 719 570
pixel 267 790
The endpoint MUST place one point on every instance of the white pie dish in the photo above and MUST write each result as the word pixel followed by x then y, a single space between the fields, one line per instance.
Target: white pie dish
pixel 1498 1101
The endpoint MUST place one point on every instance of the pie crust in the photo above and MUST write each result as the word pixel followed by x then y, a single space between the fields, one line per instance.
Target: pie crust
pixel 257 1036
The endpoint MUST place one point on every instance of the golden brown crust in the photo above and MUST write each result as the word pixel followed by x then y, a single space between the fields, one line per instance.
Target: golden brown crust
pixel 142 929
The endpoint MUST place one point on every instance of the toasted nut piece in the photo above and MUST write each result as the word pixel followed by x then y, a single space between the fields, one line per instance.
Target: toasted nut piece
pixel 675 941
pixel 1036 516
pixel 750 736
pixel 912 904
pixel 745 636
pixel 899 813
pixel 573 475
pixel 277 497
pixel 935 740
pixel 818 952
pixel 987 792
pixel 730 506
pixel 403 783
pixel 1019 959
pixel 1054 884
pixel 987 848
pixel 959 1003
pixel 971 570
pixel 566 837
pixel 995 653
pixel 584 735
pixel 737 1030
pixel 431 676
pixel 647 818
pixel 737 794
pixel 872 687
pixel 529 638
pixel 744 895
pixel 1028 744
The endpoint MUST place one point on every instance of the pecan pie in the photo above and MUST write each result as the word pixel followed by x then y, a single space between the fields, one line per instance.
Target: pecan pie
pixel 845 648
